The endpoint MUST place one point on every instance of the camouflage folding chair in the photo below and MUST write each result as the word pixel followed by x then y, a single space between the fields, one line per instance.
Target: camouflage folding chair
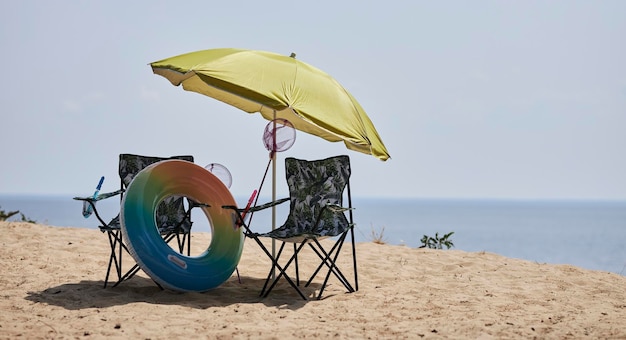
pixel 316 190
pixel 172 217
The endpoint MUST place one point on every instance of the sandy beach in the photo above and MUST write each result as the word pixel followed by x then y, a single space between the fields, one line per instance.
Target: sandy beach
pixel 52 281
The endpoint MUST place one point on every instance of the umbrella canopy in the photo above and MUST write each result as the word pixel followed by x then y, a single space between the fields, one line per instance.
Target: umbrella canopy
pixel 277 86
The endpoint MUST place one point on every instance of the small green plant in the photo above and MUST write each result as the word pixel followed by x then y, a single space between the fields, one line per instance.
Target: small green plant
pixel 436 242
pixel 26 219
pixel 378 236
pixel 6 215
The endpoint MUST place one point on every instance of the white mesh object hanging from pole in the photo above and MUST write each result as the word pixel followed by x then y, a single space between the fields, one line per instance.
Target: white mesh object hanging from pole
pixel 221 172
pixel 279 135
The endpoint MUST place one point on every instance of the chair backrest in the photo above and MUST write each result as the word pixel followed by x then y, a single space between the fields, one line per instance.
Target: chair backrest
pixel 130 165
pixel 171 211
pixel 313 185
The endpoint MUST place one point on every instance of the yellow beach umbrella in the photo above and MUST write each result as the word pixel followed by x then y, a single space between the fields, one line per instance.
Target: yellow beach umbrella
pixel 277 86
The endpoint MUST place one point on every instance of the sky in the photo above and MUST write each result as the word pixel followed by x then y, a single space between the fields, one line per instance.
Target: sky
pixel 473 99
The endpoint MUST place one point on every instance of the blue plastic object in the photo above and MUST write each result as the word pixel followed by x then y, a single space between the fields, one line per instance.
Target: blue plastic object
pixel 87 209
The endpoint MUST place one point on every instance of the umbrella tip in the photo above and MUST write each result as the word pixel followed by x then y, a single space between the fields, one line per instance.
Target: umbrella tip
pixel 293 55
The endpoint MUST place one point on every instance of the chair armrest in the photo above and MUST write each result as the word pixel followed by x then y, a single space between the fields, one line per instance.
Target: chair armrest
pixel 99 197
pixel 258 207
pixel 334 208
pixel 194 204
pixel 268 205
pixel 92 201
pixel 242 212
pixel 337 208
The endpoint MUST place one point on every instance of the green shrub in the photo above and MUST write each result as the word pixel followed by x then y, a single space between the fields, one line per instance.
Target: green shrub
pixel 436 242
pixel 6 215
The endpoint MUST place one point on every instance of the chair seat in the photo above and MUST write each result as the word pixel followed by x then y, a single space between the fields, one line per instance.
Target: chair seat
pixel 115 224
pixel 292 238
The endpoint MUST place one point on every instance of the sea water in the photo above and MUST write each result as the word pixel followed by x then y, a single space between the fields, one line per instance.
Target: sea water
pixel 588 234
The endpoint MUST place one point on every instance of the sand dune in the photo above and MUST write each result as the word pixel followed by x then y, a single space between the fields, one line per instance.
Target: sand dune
pixel 51 286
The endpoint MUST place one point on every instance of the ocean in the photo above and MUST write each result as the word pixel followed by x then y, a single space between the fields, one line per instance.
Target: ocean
pixel 587 234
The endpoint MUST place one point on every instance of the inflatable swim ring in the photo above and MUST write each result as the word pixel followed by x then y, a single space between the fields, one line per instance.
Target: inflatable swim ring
pixel 162 263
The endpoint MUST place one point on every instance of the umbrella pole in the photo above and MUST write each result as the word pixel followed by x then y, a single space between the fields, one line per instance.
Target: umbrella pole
pixel 274 189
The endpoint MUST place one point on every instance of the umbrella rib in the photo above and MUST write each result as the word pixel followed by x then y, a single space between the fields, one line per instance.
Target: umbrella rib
pixel 339 137
pixel 180 76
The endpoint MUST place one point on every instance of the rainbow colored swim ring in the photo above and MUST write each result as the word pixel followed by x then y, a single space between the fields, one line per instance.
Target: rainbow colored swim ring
pixel 163 264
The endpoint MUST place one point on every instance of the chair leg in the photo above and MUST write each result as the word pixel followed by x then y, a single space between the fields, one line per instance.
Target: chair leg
pixel 183 241
pixel 283 271
pixel 333 269
pixel 121 247
pixel 188 237
pixel 113 258
pixel 297 270
pixel 129 274
pixel 275 264
pixel 356 276
pixel 324 257
pixel 330 263
pixel 167 238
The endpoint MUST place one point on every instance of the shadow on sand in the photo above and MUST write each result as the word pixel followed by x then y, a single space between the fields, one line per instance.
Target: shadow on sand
pixel 90 294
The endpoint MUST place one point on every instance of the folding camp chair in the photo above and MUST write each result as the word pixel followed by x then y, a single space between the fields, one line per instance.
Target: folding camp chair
pixel 316 190
pixel 172 218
